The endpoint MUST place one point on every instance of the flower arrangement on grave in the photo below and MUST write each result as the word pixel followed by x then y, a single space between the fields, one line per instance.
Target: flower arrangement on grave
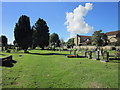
pixel 70 56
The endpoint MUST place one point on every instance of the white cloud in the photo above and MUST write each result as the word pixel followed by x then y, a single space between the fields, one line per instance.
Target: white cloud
pixel 75 22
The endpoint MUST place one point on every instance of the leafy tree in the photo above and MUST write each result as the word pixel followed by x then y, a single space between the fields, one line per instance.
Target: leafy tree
pixel 40 34
pixel 105 39
pixel 97 38
pixel 23 33
pixel 70 43
pixel 3 41
pixel 54 40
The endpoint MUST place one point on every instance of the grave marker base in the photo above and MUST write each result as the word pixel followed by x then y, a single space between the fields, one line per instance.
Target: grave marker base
pixel 103 61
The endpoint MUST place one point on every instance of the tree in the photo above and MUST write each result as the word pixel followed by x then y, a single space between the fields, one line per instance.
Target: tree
pixel 23 33
pixel 54 40
pixel 105 39
pixel 40 34
pixel 14 42
pixel 3 41
pixel 97 38
pixel 70 43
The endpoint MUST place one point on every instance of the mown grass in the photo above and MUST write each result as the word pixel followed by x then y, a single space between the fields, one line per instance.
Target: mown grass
pixel 38 69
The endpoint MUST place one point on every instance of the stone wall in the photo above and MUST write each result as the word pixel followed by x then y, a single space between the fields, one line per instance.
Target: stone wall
pixel 93 47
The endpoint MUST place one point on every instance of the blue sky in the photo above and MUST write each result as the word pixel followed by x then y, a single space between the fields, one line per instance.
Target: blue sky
pixel 103 16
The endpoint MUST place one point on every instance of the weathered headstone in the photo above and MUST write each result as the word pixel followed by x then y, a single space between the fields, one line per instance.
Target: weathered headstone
pixel 106 56
pixel 70 51
pixel 90 54
pixel 84 53
pixel 97 55
pixel 75 52
pixel 100 52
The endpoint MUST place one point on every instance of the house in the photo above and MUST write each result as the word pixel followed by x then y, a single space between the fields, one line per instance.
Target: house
pixel 113 36
pixel 81 40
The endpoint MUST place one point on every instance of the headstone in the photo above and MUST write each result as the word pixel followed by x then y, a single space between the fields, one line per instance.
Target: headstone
pixel 106 56
pixel 90 54
pixel 84 53
pixel 75 52
pixel 102 51
pixel 70 51
pixel 97 55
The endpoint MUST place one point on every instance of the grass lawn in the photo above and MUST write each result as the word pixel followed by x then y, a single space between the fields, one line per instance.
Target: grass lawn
pixel 39 69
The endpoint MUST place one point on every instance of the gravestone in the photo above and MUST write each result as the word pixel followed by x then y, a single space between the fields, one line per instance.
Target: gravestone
pixel 100 52
pixel 70 51
pixel 90 54
pixel 84 53
pixel 97 55
pixel 106 56
pixel 75 52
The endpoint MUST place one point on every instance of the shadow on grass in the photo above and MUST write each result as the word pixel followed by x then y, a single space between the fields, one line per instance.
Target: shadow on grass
pixel 48 54
pixel 7 63
pixel 114 60
pixel 51 49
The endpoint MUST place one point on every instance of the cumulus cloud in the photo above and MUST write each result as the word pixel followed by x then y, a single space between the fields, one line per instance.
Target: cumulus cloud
pixel 75 22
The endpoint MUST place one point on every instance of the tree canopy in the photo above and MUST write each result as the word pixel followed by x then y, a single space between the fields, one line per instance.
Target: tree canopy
pixel 3 40
pixel 99 38
pixel 70 43
pixel 23 33
pixel 40 34
pixel 54 40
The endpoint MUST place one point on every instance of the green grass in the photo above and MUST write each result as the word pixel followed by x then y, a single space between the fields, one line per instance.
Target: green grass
pixel 58 71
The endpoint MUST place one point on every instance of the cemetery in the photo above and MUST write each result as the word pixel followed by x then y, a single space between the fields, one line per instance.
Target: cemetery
pixel 38 59
pixel 56 70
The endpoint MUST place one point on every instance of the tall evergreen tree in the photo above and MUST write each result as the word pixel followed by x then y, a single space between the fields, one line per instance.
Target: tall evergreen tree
pixel 40 34
pixel 3 41
pixel 23 33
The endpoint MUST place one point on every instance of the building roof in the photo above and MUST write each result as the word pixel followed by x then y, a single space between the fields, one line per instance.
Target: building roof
pixel 112 33
pixel 83 36
pixel 107 33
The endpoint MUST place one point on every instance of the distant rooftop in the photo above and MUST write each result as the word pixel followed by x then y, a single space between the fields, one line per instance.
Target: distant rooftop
pixel 107 33
pixel 112 33
pixel 83 36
